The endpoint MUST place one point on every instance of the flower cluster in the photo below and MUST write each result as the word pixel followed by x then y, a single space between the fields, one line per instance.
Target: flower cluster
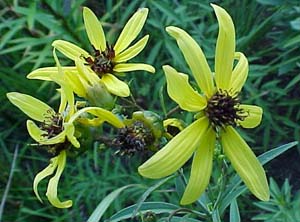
pixel 88 92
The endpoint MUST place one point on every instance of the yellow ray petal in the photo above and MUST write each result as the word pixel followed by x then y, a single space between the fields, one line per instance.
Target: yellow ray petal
pixel 69 49
pixel 76 83
pixel 45 73
pixel 53 183
pixel 245 163
pixel 173 155
pixel 225 49
pixel 31 106
pixel 86 73
pixel 128 67
pixel 240 72
pixel 254 116
pixel 43 174
pixel 70 131
pixel 195 59
pixel 103 114
pixel 132 51
pixel 181 91
pixel 94 29
pixel 201 168
pixel 131 30
pixel 115 86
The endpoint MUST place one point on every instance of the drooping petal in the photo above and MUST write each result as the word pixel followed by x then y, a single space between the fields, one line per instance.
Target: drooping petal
pixel 103 114
pixel 195 59
pixel 132 51
pixel 43 174
pixel 94 29
pixel 128 67
pixel 70 131
pixel 173 155
pixel 76 83
pixel 115 86
pixel 201 168
pixel 45 73
pixel 245 163
pixel 53 183
pixel 31 106
pixel 254 116
pixel 240 72
pixel 131 30
pixel 69 49
pixel 181 91
pixel 40 136
pixel 87 74
pixel 225 49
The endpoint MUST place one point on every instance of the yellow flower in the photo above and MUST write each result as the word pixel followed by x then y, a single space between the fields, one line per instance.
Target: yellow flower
pixel 218 111
pixel 107 60
pixel 56 130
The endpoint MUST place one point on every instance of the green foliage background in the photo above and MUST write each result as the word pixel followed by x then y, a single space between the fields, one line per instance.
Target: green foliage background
pixel 267 32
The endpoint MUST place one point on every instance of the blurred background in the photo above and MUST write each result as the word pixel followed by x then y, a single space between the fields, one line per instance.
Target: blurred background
pixel 267 32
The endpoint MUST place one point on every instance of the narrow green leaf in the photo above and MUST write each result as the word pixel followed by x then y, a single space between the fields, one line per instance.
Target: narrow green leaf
pixel 234 212
pixel 105 203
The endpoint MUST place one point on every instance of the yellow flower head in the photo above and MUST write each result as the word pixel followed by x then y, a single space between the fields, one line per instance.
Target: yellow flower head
pixel 218 112
pixel 56 130
pixel 109 60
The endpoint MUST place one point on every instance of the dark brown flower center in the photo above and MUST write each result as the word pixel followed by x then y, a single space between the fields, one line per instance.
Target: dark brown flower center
pixel 223 110
pixel 133 138
pixel 52 125
pixel 102 61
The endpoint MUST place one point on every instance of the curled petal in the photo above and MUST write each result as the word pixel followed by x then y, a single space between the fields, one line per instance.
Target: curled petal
pixel 245 163
pixel 201 168
pixel 181 91
pixel 85 73
pixel 173 155
pixel 128 67
pixel 43 174
pixel 115 86
pixel 225 49
pixel 132 51
pixel 240 72
pixel 76 83
pixel 94 29
pixel 103 114
pixel 70 131
pixel 31 106
pixel 254 116
pixel 53 183
pixel 131 30
pixel 195 59
pixel 70 50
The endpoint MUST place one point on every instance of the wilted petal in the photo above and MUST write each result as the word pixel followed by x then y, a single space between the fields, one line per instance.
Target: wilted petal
pixel 53 183
pixel 76 83
pixel 87 74
pixel 115 86
pixel 131 30
pixel 245 163
pixel 201 168
pixel 31 106
pixel 181 91
pixel 173 155
pixel 254 116
pixel 132 51
pixel 94 29
pixel 43 174
pixel 225 49
pixel 70 50
pixel 195 59
pixel 70 131
pixel 128 67
pixel 240 72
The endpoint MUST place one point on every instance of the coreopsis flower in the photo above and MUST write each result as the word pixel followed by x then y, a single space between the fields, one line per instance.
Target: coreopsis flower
pixel 56 130
pixel 218 111
pixel 107 61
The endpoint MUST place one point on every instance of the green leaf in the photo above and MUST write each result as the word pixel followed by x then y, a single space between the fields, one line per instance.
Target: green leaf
pixel 234 212
pixel 105 203
pixel 155 207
